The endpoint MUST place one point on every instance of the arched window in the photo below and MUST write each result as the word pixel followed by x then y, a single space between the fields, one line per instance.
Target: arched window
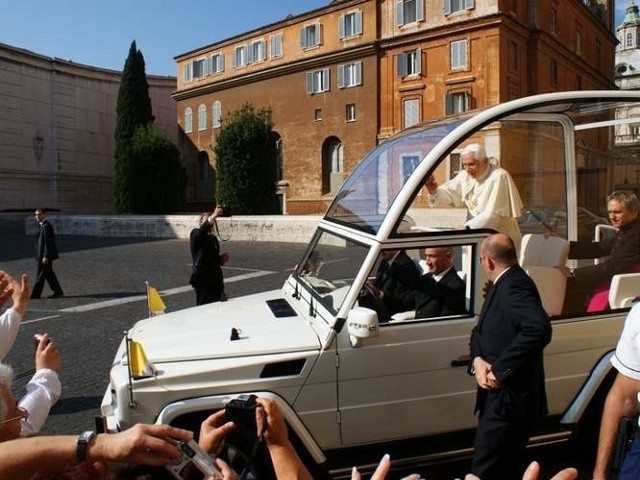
pixel 202 117
pixel 216 113
pixel 629 39
pixel 188 120
pixel 332 165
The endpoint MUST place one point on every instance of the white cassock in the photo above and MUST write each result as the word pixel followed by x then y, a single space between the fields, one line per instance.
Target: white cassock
pixel 492 201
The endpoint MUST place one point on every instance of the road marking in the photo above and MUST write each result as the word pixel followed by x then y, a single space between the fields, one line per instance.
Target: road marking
pixel 170 291
pixel 39 319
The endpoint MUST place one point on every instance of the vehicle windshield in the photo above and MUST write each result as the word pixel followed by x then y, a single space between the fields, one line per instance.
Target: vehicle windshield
pixel 365 197
pixel 330 267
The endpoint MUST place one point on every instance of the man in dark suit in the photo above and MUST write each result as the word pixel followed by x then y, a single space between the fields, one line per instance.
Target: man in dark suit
pixel 393 289
pixel 46 253
pixel 440 292
pixel 206 277
pixel 507 361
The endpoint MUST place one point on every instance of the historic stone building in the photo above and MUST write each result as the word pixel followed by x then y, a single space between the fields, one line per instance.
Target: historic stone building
pixel 344 77
pixel 57 121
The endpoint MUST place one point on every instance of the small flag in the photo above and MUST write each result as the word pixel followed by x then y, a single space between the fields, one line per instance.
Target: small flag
pixel 154 301
pixel 140 366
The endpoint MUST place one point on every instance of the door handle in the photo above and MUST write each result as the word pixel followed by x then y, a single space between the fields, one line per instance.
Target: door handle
pixel 462 361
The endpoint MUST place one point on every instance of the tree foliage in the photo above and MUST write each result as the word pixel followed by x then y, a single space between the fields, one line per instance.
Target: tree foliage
pixel 159 171
pixel 133 109
pixel 246 156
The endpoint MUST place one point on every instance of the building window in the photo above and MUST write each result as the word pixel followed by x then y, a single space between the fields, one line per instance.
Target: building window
pixel 350 75
pixel 240 56
pixel 409 11
pixel 351 112
pixel 350 24
pixel 409 63
pixel 553 21
pixel 257 51
pixel 451 6
pixel 629 39
pixel 188 72
pixel 275 42
pixel 217 63
pixel 317 114
pixel 458 54
pixel 201 68
pixel 311 36
pixel 318 81
pixel 411 112
pixel 216 114
pixel 188 120
pixel 456 102
pixel 202 117
pixel 553 72
pixel 332 165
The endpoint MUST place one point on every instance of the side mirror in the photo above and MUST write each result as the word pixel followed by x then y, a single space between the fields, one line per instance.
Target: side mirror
pixel 362 323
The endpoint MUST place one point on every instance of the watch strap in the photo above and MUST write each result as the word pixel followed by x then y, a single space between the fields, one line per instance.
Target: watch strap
pixel 82 444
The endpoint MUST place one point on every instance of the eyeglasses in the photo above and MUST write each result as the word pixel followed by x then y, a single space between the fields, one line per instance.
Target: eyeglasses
pixel 22 414
pixel 481 258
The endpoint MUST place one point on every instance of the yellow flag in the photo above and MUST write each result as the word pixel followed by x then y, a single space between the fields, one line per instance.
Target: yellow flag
pixel 140 365
pixel 156 305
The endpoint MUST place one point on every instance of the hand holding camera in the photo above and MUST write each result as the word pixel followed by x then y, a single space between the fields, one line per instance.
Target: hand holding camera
pixel 47 354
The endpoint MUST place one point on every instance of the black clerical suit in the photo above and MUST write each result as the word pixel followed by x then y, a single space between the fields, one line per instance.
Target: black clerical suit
pixel 46 248
pixel 206 277
pixel 442 298
pixel 511 334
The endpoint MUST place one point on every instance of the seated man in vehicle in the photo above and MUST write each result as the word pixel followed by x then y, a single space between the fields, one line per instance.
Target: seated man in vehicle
pixel 440 292
pixel 487 191
pixel 393 289
pixel 623 252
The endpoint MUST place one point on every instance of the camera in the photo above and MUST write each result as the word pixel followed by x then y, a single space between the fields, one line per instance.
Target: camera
pixel 193 464
pixel 226 211
pixel 242 411
pixel 37 337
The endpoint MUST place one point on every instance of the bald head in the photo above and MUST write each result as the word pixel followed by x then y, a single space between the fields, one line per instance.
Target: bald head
pixel 498 253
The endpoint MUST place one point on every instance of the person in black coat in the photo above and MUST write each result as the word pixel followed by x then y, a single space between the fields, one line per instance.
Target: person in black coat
pixel 507 361
pixel 440 292
pixel 393 289
pixel 623 253
pixel 46 253
pixel 206 277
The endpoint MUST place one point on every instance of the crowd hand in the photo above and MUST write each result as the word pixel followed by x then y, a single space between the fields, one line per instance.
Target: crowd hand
pixel 213 430
pixel 226 470
pixel 18 291
pixel 533 471
pixel 6 287
pixel 47 354
pixel 141 444
pixel 271 423
pixel 381 471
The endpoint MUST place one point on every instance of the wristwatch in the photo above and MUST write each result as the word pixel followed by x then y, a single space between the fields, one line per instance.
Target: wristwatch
pixel 82 445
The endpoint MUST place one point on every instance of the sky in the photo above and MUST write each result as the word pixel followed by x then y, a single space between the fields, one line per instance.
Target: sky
pixel 99 32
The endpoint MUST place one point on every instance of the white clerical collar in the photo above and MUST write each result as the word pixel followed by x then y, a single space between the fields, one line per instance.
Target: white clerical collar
pixel 438 276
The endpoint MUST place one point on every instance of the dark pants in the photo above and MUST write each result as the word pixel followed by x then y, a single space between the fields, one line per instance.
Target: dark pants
pixel 631 465
pixel 45 272
pixel 502 435
pixel 206 295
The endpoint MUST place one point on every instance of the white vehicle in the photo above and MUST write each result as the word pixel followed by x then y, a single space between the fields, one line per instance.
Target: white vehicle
pixel 351 386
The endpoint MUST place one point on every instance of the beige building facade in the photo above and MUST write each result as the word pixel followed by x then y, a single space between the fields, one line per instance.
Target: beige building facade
pixel 57 123
pixel 344 77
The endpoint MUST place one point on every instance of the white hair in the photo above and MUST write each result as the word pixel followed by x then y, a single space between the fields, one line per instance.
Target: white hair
pixel 476 149
pixel 6 377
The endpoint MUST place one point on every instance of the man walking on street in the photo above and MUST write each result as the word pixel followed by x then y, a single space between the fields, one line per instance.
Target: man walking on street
pixel 46 253
pixel 506 353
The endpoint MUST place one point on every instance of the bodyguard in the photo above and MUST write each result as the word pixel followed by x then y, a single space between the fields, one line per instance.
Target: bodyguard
pixel 46 253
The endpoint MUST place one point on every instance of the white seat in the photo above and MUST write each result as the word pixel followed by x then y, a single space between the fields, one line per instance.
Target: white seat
pixel 603 232
pixel 625 287
pixel 552 285
pixel 538 250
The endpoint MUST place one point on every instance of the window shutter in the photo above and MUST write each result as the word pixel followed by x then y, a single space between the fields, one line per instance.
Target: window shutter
pixel 446 6
pixel 319 34
pixel 401 60
pixel 341 26
pixel 358 73
pixel 419 10
pixel 326 80
pixel 310 82
pixel 250 55
pixel 418 61
pixel 221 56
pixel 358 21
pixel 341 69
pixel 448 104
pixel 399 13
pixel 303 37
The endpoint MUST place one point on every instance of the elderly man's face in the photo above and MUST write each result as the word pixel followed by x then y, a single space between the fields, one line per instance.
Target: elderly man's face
pixel 474 168
pixel 11 425
pixel 437 259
